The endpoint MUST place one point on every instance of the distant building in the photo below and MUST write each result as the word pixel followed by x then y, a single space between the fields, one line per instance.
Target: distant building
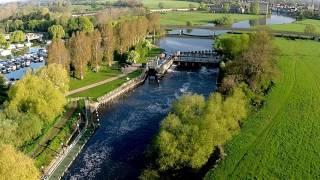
pixel 216 8
pixel 236 8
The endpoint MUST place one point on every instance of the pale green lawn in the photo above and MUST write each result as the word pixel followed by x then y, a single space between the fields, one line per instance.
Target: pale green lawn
pixel 198 17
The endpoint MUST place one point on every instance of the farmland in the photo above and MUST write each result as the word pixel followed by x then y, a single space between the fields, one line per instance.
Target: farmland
pixel 297 26
pixel 198 17
pixel 282 141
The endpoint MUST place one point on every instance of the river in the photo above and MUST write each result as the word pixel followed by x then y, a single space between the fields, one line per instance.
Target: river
pixel 116 150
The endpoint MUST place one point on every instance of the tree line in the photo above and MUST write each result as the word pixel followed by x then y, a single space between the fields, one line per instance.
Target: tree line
pixel 90 47
pixel 196 128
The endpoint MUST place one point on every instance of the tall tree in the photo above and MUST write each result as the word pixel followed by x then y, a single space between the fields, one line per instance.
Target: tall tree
pixel 154 23
pixel 80 46
pixel 16 165
pixel 96 54
pixel 58 54
pixel 108 42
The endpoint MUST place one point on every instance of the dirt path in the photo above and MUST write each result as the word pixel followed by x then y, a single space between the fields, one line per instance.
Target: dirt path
pixel 128 71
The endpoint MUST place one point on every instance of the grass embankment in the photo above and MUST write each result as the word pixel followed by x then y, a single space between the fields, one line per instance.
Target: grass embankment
pixel 199 17
pixel 44 148
pixel 93 77
pixel 297 26
pixel 282 141
pixel 101 90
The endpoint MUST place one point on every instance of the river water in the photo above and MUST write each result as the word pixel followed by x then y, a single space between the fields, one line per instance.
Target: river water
pixel 116 150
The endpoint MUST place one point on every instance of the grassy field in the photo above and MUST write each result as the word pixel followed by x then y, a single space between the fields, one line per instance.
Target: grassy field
pixel 282 141
pixel 153 4
pixel 297 26
pixel 92 77
pixel 198 17
pixel 105 88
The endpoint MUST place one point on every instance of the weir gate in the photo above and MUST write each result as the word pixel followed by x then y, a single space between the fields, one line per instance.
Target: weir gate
pixel 158 66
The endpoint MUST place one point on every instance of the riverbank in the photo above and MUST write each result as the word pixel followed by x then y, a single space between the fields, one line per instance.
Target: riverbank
pixel 63 162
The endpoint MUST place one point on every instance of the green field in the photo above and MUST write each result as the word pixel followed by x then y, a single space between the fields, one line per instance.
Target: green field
pixel 297 26
pixel 198 17
pixel 92 77
pixel 101 90
pixel 153 4
pixel 282 141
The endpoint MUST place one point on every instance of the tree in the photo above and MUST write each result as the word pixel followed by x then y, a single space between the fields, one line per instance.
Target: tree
pixel 161 5
pixel 232 46
pixel 194 127
pixel 56 32
pixel 226 7
pixel 58 54
pixel 192 6
pixel 80 46
pixel 255 7
pixel 189 23
pixel 8 130
pixel 96 55
pixel 85 24
pixel 35 95
pixel 108 42
pixel 310 29
pixel 17 36
pixel 133 56
pixel 57 75
pixel 16 165
pixel 2 39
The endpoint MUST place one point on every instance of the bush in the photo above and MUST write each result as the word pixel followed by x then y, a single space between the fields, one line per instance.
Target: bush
pixel 189 23
pixel 225 20
pixel 310 29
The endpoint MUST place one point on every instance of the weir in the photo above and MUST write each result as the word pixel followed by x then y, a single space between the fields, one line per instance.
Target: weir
pixel 190 59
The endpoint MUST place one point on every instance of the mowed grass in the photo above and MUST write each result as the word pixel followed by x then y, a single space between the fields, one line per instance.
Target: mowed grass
pixel 101 90
pixel 297 26
pixel 282 141
pixel 199 17
pixel 93 77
